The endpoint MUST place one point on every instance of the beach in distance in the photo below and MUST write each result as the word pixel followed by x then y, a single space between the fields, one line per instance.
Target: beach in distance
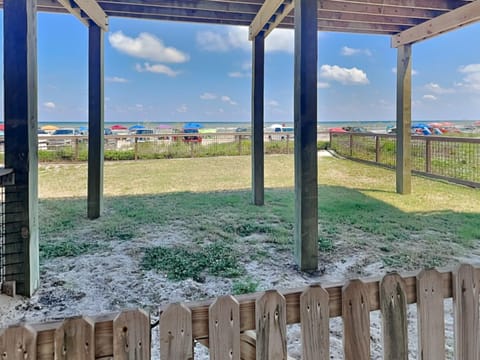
pixel 232 126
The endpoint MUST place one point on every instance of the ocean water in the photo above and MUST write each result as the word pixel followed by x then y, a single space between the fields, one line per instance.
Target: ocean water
pixel 321 125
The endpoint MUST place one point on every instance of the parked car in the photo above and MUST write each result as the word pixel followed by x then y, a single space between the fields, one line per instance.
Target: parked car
pixel 63 134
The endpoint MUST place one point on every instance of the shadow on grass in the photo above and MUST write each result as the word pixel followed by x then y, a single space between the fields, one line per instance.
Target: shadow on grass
pixel 350 223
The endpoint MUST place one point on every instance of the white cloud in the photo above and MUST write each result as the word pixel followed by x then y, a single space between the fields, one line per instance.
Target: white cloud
pixel 273 103
pixel 146 46
pixel 472 76
pixel 236 37
pixel 227 99
pixel 343 75
pixel 237 74
pixel 182 109
pixel 322 85
pixel 437 89
pixel 116 79
pixel 157 69
pixel 281 40
pixel 430 97
pixel 49 105
pixel 348 51
pixel 208 96
pixel 414 72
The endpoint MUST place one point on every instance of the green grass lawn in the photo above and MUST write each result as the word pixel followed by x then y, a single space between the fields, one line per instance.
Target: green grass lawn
pixel 207 201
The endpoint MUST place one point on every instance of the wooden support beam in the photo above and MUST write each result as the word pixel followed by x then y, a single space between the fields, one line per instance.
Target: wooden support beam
pixel 404 119
pixel 87 10
pixel 305 126
pixel 258 75
pixel 452 20
pixel 21 155
pixel 270 15
pixel 95 121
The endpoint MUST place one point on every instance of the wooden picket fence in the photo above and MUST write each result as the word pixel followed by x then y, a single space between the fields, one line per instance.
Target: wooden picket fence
pixel 255 326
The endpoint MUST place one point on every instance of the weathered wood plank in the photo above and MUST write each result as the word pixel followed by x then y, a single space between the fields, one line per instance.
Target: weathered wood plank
pixel 315 319
pixel 21 124
pixel 75 339
pixel 356 321
pixel 466 287
pixel 131 335
pixel 268 9
pixel 176 341
pixel 86 10
pixel 18 343
pixel 258 103
pixel 95 121
pixel 305 127
pixel 224 329
pixel 430 316
pixel 451 20
pixel 292 297
pixel 271 326
pixel 393 305
pixel 404 120
pixel 46 346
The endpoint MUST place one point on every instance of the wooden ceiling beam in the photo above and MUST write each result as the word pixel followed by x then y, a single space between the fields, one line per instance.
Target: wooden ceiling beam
pixel 269 16
pixel 441 5
pixel 368 18
pixel 85 11
pixel 176 12
pixel 452 20
pixel 190 19
pixel 226 6
pixel 366 8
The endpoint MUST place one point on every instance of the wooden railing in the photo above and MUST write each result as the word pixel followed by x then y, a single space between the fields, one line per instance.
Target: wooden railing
pixel 451 158
pixel 255 326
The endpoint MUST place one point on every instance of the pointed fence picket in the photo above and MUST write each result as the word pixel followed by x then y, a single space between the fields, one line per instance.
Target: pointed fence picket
pixel 254 326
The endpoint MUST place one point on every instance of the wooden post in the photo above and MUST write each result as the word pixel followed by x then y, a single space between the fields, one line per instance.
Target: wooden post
pixel 350 144
pixel 239 144
pixel 404 119
pixel 258 65
pixel 95 121
pixel 21 154
pixel 377 149
pixel 305 126
pixel 75 149
pixel 287 141
pixel 135 149
pixel 428 155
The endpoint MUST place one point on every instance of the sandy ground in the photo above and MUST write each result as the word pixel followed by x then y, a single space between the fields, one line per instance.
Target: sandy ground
pixel 113 280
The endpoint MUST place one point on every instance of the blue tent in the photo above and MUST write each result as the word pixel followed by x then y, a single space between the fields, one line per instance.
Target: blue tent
pixel 192 125
pixel 419 126
pixel 136 127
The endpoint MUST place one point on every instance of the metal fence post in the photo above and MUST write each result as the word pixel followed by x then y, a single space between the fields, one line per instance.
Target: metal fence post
pixel 428 156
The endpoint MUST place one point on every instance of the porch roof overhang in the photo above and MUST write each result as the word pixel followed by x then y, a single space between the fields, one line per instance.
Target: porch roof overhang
pixel 407 21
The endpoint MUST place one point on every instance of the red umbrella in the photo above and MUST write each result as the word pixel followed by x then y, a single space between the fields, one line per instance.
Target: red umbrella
pixel 119 127
pixel 2 127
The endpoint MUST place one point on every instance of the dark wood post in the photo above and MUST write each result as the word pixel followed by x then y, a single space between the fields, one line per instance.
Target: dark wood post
pixel 258 61
pixel 21 142
pixel 377 149
pixel 305 126
pixel 404 119
pixel 95 121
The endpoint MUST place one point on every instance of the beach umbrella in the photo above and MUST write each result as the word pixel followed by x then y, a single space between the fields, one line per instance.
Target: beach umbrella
pixel 164 126
pixel 136 127
pixel 2 127
pixel 119 127
pixel 435 125
pixel 49 127
pixel 192 125
pixel 446 123
pixel 83 128
pixel 419 126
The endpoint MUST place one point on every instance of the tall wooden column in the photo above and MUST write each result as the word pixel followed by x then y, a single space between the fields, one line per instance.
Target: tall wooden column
pixel 404 119
pixel 21 123
pixel 305 126
pixel 258 66
pixel 95 121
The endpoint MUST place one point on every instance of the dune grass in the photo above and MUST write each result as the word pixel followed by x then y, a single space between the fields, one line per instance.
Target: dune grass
pixel 207 201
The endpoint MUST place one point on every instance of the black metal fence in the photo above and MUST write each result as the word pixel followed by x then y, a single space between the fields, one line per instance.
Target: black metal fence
pixel 6 179
pixel 452 158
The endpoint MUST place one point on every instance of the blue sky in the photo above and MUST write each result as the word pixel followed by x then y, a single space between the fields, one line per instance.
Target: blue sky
pixel 165 71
